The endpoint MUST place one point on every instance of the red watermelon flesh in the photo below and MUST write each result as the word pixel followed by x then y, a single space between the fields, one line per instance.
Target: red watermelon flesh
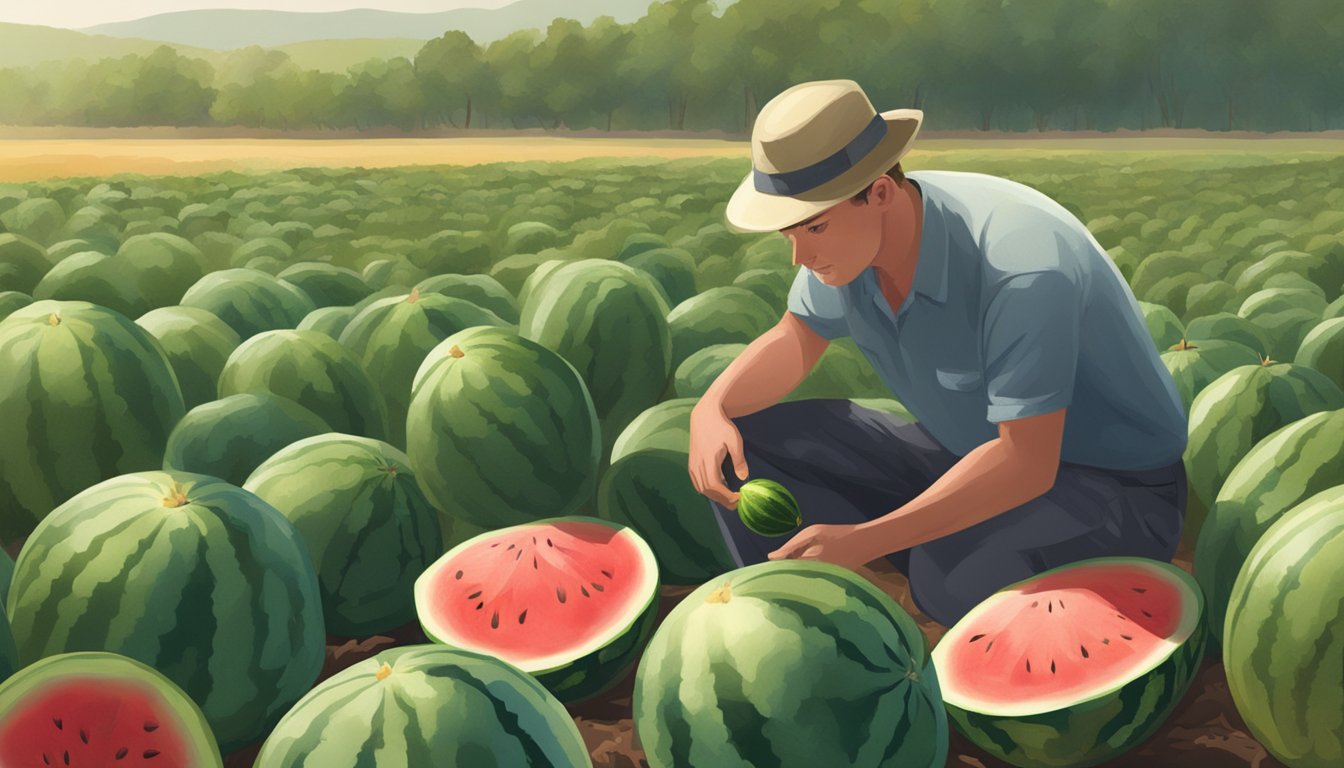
pixel 539 595
pixel 94 722
pixel 1062 638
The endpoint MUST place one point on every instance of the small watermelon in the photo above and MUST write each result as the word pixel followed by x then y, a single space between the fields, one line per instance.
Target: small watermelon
pixel 426 705
pixel 1076 665
pixel 768 508
pixel 569 599
pixel 100 709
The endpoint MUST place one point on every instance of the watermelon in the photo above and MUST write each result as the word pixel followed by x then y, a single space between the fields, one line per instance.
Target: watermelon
pixel 482 290
pixel 96 278
pixel 11 301
pixel 1238 410
pixel 426 705
pixel 672 269
pixel 537 269
pixel 600 315
pixel 1284 634
pixel 768 508
pixel 639 242
pixel 1225 326
pixel 313 370
pixel 328 320
pixel 1163 325
pixel 369 528
pixel 24 263
pixel 325 284
pixel 501 430
pixel 1194 366
pixel 1323 349
pixel 272 248
pixel 100 709
pixel 1285 314
pixel 200 579
pixel 531 236
pixel 789 663
pixel 87 395
pixel 648 488
pixel 1075 665
pixel 842 372
pixel 1286 467
pixel 9 653
pixel 699 370
pixel 723 315
pixel 772 285
pixel 197 344
pixel 391 337
pixel 162 266
pixel 229 438
pixel 249 301
pixel 569 599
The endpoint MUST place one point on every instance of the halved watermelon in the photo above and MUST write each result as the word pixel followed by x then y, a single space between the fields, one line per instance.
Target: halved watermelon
pixel 100 709
pixel 1074 665
pixel 569 599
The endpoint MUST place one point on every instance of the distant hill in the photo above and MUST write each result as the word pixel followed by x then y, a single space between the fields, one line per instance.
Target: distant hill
pixel 340 55
pixel 25 45
pixel 228 29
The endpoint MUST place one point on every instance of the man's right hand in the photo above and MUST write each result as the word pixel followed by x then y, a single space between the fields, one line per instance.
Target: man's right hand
pixel 714 436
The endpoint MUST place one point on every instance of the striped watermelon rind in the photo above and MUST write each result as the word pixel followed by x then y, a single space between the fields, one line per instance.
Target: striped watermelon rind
pixel 369 528
pixel 768 508
pixel 789 663
pixel 1092 731
pixel 86 395
pixel 501 430
pixel 197 345
pixel 182 723
pixel 1284 634
pixel 1236 411
pixel 426 705
pixel 1286 467
pixel 174 570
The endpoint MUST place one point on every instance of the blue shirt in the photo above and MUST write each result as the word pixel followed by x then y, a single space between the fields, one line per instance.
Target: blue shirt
pixel 1014 311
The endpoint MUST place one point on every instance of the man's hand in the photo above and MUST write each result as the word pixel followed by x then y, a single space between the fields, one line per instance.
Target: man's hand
pixel 714 436
pixel 846 545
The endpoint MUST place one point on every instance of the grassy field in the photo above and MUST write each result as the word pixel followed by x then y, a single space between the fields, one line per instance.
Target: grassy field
pixel 50 158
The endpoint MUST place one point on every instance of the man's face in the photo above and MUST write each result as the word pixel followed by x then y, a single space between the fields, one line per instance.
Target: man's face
pixel 842 241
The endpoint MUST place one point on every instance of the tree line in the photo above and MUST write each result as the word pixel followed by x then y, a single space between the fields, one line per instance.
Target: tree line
pixel 970 64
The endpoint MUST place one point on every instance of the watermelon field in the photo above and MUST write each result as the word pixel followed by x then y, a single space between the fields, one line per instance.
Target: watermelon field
pixel 338 466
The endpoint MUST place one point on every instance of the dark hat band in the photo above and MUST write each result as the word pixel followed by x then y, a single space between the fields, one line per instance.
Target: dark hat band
pixel 813 176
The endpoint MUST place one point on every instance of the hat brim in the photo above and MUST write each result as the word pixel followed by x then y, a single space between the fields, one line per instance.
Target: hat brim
pixel 750 210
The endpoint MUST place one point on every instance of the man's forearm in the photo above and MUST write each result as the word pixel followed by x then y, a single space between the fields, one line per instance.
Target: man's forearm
pixel 769 368
pixel 989 480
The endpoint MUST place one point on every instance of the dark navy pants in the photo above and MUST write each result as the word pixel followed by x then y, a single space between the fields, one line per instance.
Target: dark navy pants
pixel 849 464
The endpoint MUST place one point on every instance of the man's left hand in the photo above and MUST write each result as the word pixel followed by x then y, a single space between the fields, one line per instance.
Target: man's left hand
pixel 845 545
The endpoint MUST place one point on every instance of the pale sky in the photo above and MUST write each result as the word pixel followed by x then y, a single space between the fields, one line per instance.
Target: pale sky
pixel 75 14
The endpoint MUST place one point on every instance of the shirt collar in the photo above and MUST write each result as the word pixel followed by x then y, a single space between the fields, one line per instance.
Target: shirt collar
pixel 931 271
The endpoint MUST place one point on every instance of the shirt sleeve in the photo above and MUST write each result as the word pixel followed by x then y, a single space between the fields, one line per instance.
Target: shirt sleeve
pixel 817 304
pixel 1031 345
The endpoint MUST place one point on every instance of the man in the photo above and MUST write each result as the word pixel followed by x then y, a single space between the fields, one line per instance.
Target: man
pixel 1048 430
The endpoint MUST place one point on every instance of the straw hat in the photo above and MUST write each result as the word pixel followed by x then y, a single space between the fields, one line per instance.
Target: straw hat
pixel 815 145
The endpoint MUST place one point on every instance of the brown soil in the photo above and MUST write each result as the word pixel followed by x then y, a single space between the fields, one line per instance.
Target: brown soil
pixel 1205 730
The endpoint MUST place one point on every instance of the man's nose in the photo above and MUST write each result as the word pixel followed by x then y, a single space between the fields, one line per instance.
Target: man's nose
pixel 801 256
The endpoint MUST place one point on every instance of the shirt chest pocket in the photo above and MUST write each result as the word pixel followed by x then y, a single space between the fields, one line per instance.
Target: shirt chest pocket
pixel 958 379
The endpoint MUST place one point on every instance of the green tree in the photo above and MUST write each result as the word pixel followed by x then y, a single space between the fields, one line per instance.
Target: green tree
pixel 450 69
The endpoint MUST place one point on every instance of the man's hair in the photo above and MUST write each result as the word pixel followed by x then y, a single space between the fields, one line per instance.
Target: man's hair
pixel 897 175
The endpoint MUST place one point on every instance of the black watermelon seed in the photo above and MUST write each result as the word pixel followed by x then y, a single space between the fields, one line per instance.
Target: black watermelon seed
pixel 1052 666
pixel 606 573
pixel 520 554
pixel 974 638
pixel 560 594
pixel 534 562
pixel 151 753
pixel 1084 648
pixel 459 575
pixel 67 758
pixel 1035 603
pixel 511 546
pixel 1105 641
pixel 45 760
pixel 494 620
pixel 987 647
pixel 1145 613
pixel 83 735
pixel 1028 665
pixel 1050 608
pixel 597 586
pixel 496 544
pixel 474 595
pixel 1127 637
pixel 151 726
pixel 57 721
pixel 522 617
pixel 1061 605
pixel 549 544
pixel 534 539
pixel 121 753
pixel 584 591
pixel 480 605
pixel 1140 590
